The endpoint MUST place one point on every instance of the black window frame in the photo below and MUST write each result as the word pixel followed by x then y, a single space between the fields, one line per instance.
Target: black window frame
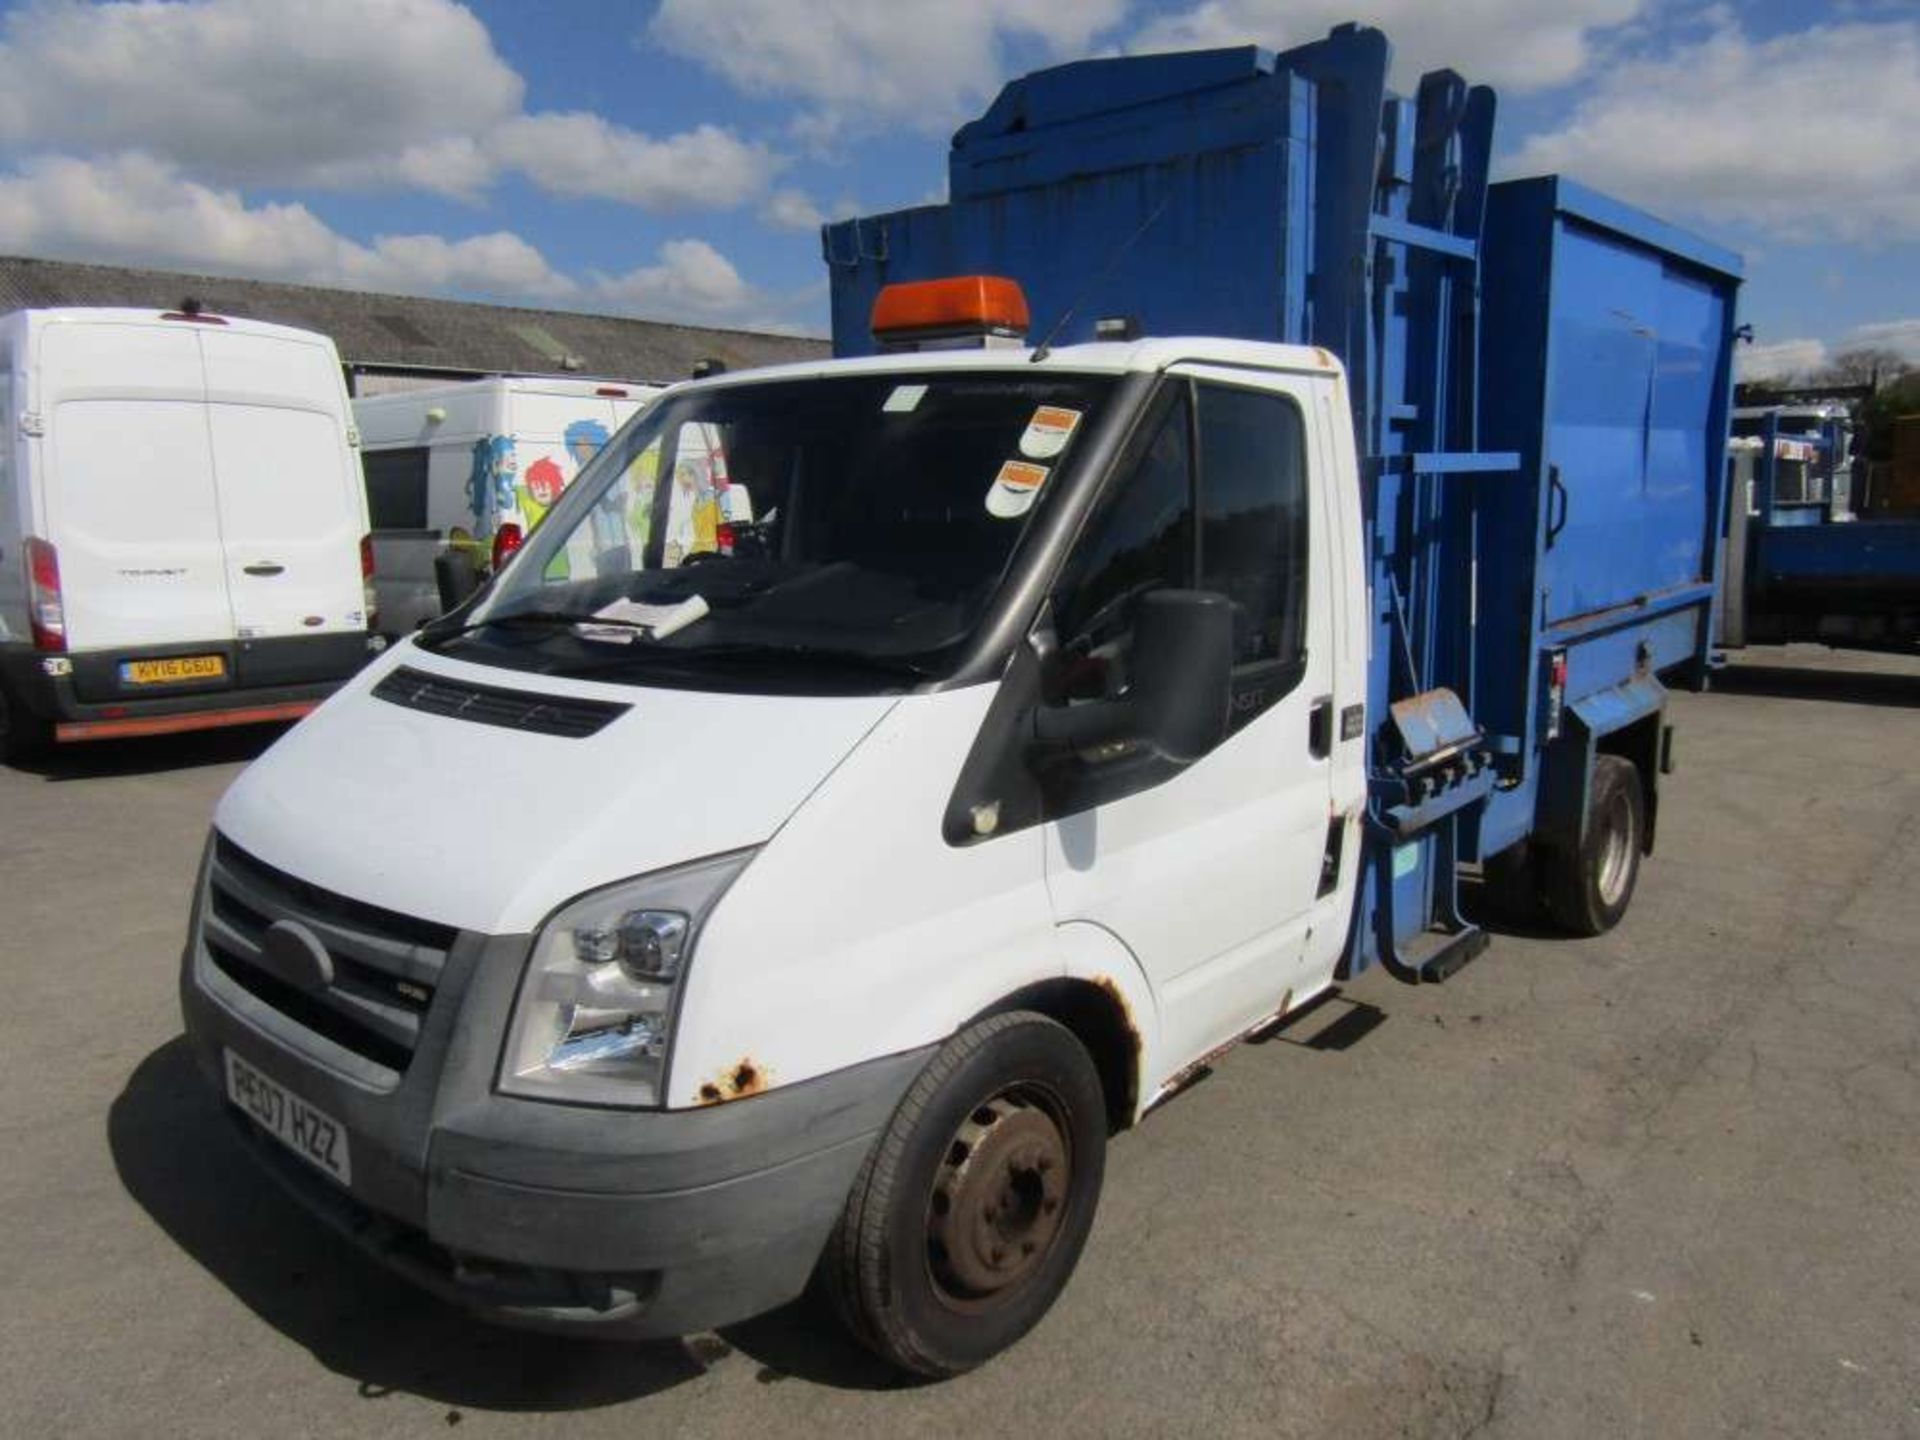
pixel 1258 683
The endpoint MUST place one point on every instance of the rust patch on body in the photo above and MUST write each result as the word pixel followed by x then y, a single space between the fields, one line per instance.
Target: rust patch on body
pixel 1187 1074
pixel 1114 993
pixel 744 1077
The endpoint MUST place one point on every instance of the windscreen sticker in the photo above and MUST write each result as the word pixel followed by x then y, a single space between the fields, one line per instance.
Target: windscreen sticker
pixel 1014 489
pixel 1048 432
pixel 905 399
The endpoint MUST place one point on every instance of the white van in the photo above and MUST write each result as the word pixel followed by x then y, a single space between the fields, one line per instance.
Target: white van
pixel 839 888
pixel 460 463
pixel 183 534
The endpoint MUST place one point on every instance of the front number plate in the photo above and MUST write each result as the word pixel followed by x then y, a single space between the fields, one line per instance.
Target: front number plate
pixel 313 1135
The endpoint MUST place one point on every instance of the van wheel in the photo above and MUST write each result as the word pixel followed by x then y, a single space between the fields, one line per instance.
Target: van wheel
pixel 1588 890
pixel 22 733
pixel 974 1204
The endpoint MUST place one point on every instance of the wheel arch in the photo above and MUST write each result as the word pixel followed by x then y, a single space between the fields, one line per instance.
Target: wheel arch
pixel 1098 1014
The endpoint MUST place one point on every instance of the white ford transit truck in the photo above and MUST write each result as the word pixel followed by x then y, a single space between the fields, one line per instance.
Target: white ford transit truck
pixel 853 913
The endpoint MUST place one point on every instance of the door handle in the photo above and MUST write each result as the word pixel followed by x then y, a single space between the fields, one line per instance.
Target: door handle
pixel 1556 505
pixel 265 567
pixel 1320 728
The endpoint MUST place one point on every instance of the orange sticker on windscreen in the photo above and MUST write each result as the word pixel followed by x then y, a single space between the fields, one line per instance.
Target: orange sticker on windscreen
pixel 1048 431
pixel 1014 488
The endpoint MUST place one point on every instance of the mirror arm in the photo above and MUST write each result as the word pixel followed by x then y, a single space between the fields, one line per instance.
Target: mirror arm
pixel 1081 727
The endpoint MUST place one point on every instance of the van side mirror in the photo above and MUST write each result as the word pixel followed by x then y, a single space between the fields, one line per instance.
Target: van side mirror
pixel 1179 699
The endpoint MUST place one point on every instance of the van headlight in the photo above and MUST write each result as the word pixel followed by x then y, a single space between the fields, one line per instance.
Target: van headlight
pixel 594 1017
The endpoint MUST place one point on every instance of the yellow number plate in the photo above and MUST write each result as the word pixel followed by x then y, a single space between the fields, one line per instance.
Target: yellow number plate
pixel 166 672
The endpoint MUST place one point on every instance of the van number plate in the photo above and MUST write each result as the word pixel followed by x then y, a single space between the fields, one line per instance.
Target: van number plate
pixel 166 672
pixel 313 1135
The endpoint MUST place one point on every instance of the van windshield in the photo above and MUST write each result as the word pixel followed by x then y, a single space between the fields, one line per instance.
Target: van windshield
pixel 854 525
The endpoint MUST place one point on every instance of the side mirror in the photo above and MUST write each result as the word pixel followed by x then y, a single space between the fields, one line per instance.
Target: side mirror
pixel 1179 700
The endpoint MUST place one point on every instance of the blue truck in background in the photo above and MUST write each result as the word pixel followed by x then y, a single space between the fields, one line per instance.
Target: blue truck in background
pixel 1540 382
pixel 1803 561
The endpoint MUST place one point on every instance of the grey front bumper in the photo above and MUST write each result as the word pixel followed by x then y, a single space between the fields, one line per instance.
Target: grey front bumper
pixel 639 1223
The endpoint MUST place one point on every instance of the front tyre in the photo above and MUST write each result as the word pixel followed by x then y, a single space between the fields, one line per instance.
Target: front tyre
pixel 974 1204
pixel 1588 890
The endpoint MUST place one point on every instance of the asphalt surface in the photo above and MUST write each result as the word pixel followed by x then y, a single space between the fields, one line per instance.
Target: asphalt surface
pixel 1664 1183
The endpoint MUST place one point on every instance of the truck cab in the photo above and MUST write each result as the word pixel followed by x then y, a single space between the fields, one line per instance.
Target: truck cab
pixel 1013 771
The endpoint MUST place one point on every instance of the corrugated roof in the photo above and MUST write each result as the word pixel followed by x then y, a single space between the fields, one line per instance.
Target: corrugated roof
pixel 403 332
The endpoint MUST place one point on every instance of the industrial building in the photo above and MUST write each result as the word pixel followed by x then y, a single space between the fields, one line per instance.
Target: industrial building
pixel 394 342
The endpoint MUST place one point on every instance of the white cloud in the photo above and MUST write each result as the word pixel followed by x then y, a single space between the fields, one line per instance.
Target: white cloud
pixel 792 210
pixel 1779 359
pixel 133 209
pixel 1792 359
pixel 579 153
pixel 350 94
pixel 253 91
pixel 689 280
pixel 1807 135
pixel 862 64
pixel 1515 44
pixel 1900 336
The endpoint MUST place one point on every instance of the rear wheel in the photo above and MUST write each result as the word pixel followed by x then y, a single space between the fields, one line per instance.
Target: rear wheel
pixel 1589 889
pixel 972 1209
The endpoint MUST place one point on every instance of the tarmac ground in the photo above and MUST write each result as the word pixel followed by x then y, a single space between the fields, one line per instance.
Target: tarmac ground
pixel 1662 1183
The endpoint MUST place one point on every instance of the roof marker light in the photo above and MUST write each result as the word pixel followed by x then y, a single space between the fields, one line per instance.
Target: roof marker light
pixel 958 310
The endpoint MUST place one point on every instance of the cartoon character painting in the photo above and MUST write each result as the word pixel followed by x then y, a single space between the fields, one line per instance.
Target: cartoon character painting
pixel 490 481
pixel 542 486
pixel 583 441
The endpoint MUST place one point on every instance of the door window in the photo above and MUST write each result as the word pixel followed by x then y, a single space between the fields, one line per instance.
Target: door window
pixel 1236 459
pixel 1253 518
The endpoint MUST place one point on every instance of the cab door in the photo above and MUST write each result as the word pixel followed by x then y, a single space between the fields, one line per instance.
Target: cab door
pixel 1210 874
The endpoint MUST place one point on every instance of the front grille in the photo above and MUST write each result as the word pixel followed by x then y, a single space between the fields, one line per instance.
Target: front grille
pixel 563 715
pixel 386 966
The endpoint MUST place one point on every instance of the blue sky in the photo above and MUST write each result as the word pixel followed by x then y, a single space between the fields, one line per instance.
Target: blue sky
pixel 673 159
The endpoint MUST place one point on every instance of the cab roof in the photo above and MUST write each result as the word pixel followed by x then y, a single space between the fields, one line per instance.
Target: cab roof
pixel 1148 356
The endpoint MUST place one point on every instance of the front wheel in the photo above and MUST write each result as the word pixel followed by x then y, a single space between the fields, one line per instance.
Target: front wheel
pixel 973 1206
pixel 1588 889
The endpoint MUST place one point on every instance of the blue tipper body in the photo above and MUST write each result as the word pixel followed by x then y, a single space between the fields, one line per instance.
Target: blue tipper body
pixel 1540 382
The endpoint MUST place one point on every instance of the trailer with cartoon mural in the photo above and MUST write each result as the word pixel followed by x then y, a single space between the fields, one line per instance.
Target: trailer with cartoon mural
pixel 457 466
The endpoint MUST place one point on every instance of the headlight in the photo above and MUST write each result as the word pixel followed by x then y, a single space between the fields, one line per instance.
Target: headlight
pixel 595 1013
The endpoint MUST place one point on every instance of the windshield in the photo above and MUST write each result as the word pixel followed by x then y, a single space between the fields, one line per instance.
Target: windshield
pixel 854 523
